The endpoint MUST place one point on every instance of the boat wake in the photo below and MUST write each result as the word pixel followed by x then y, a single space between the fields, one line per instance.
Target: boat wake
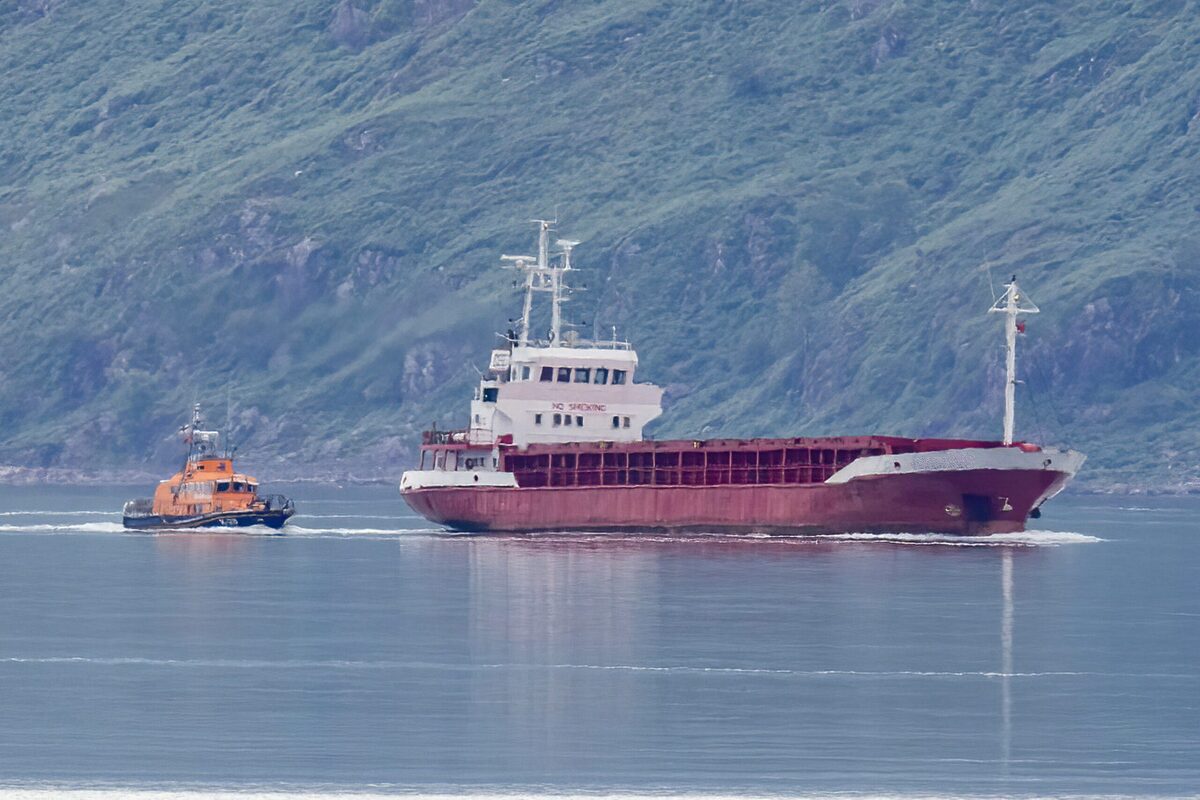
pixel 300 530
pixel 385 791
pixel 44 513
pixel 1024 539
pixel 70 527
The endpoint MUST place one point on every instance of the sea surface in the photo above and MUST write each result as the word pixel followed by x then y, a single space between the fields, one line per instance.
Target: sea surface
pixel 364 651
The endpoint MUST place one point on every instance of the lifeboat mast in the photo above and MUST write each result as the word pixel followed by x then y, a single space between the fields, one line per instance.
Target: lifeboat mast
pixel 1011 304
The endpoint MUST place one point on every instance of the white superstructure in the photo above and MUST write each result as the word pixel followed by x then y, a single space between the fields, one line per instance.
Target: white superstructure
pixel 561 388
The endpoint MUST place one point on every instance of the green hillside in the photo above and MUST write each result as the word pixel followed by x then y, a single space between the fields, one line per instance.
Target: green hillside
pixel 293 212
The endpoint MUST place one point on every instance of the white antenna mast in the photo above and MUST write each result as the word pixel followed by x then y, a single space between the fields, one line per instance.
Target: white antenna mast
pixel 557 295
pixel 542 276
pixel 1011 303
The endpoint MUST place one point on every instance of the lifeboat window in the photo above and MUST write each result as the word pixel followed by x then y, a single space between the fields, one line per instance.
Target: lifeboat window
pixel 524 373
pixel 618 377
pixel 224 487
pixel 582 375
pixel 547 374
pixel 537 419
pixel 564 374
pixel 579 421
pixel 601 375
pixel 490 393
pixel 616 422
pixel 557 420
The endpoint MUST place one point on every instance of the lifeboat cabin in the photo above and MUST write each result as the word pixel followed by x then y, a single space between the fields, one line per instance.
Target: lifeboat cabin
pixel 207 492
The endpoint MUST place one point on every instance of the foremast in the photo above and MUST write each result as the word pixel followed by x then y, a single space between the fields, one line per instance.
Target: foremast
pixel 1012 304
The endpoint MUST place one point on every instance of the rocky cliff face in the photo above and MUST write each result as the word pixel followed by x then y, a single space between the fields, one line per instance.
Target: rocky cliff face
pixel 292 212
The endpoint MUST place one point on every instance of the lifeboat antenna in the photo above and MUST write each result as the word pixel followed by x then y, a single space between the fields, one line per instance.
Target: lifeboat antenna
pixel 1011 304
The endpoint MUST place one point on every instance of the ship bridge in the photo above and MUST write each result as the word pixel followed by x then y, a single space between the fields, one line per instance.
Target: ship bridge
pixel 580 393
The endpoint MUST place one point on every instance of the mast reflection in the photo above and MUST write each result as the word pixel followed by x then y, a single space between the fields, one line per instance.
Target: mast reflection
pixel 1006 658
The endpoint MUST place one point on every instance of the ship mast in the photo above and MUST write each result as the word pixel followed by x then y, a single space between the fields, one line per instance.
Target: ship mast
pixel 1011 304
pixel 542 276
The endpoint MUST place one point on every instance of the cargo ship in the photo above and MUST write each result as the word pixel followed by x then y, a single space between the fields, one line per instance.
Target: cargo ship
pixel 207 492
pixel 555 443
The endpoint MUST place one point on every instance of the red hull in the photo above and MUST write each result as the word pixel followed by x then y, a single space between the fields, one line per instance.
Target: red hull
pixel 968 502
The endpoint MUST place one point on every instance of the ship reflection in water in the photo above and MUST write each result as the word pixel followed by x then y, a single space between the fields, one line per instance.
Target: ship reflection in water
pixel 564 623
pixel 587 647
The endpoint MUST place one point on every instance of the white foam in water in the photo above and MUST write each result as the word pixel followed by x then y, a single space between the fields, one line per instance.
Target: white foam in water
pixel 357 516
pixel 299 530
pixel 253 530
pixel 99 513
pixel 255 793
pixel 76 527
pixel 1023 539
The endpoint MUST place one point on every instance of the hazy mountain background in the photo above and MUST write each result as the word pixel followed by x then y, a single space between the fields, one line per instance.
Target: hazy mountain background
pixel 293 212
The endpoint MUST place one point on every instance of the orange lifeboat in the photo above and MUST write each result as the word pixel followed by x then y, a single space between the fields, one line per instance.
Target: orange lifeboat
pixel 207 492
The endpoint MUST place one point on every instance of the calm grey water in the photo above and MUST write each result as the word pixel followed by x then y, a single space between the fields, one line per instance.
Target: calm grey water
pixel 363 649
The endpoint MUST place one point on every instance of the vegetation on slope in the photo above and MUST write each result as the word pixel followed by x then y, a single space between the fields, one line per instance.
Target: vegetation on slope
pixel 293 211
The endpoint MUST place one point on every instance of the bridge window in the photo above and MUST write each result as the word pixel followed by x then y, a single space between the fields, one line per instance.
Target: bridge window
pixel 601 375
pixel 537 419
pixel 626 422
pixel 616 422
pixel 582 374
pixel 564 374
pixel 490 393
pixel 579 421
pixel 547 374
pixel 557 420
pixel 566 419
pixel 524 373
pixel 618 377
